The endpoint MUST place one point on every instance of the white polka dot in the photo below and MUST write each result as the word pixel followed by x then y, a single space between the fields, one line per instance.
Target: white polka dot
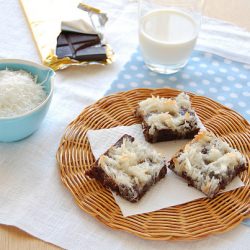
pixel 210 72
pixel 197 73
pixel 213 90
pixel 126 76
pixel 225 88
pixel 133 67
pixel 139 75
pixel 206 82
pixel 134 84
pixel 248 111
pixel 221 98
pixel 200 91
pixel 179 86
pixel 248 84
pixel 160 81
pixel 196 59
pixel 152 74
pixel 190 67
pixel 218 79
pixel 208 55
pixel 215 63
pixel 238 86
pixel 193 84
pixel 227 61
pixel 233 95
pixel 246 66
pixel 246 93
pixel 173 78
pixel 223 70
pixel 235 69
pixel 147 83
pixel 230 78
pixel 229 105
pixel 242 104
pixel 120 86
pixel 203 65
pixel 243 76
pixel 139 58
pixel 185 76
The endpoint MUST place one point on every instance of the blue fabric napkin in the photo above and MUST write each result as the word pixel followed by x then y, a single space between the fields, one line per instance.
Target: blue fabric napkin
pixel 223 80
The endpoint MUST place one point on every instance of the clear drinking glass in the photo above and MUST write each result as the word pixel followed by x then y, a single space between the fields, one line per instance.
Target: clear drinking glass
pixel 168 30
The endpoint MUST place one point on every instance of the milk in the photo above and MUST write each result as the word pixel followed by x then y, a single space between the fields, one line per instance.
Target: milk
pixel 167 37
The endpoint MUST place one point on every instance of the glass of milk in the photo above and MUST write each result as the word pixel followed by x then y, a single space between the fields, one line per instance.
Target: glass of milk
pixel 168 30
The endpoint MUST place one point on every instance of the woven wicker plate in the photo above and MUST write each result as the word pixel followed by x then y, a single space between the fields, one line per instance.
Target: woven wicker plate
pixel 189 221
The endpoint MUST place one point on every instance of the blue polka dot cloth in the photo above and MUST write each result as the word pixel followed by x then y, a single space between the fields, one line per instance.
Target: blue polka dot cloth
pixel 220 79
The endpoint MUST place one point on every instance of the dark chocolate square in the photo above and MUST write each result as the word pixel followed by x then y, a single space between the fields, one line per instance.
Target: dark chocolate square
pixel 81 47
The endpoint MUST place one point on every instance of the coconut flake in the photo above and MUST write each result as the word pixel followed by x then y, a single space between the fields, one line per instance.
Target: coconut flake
pixel 19 93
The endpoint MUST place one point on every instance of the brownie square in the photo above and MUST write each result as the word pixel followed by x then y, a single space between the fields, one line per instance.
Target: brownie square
pixel 165 119
pixel 208 163
pixel 129 168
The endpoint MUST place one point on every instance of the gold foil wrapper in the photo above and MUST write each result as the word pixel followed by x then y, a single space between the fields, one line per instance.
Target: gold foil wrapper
pixel 88 8
pixel 61 63
pixel 44 18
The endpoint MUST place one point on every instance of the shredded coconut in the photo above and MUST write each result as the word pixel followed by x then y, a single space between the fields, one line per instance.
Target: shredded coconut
pixel 19 93
pixel 208 160
pixel 175 114
pixel 132 163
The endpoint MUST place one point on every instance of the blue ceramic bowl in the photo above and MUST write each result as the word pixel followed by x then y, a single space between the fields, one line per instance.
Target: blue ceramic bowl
pixel 19 127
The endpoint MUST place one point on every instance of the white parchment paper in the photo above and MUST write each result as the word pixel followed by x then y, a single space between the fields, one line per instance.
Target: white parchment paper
pixel 170 191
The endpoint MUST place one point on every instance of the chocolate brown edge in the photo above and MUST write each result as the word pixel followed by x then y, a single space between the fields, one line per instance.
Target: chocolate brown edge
pixel 166 134
pixel 238 169
pixel 163 134
pixel 99 174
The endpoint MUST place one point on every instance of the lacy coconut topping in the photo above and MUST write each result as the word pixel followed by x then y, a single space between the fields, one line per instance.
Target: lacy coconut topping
pixel 162 113
pixel 208 160
pixel 19 93
pixel 132 163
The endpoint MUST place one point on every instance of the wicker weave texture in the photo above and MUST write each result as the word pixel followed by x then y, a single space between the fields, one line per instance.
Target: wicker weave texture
pixel 190 221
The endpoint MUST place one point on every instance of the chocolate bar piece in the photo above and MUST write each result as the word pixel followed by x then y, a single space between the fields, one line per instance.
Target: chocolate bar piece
pixel 129 168
pixel 81 47
pixel 208 163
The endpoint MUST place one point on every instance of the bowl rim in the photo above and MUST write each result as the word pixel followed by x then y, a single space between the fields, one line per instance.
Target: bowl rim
pixel 38 66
